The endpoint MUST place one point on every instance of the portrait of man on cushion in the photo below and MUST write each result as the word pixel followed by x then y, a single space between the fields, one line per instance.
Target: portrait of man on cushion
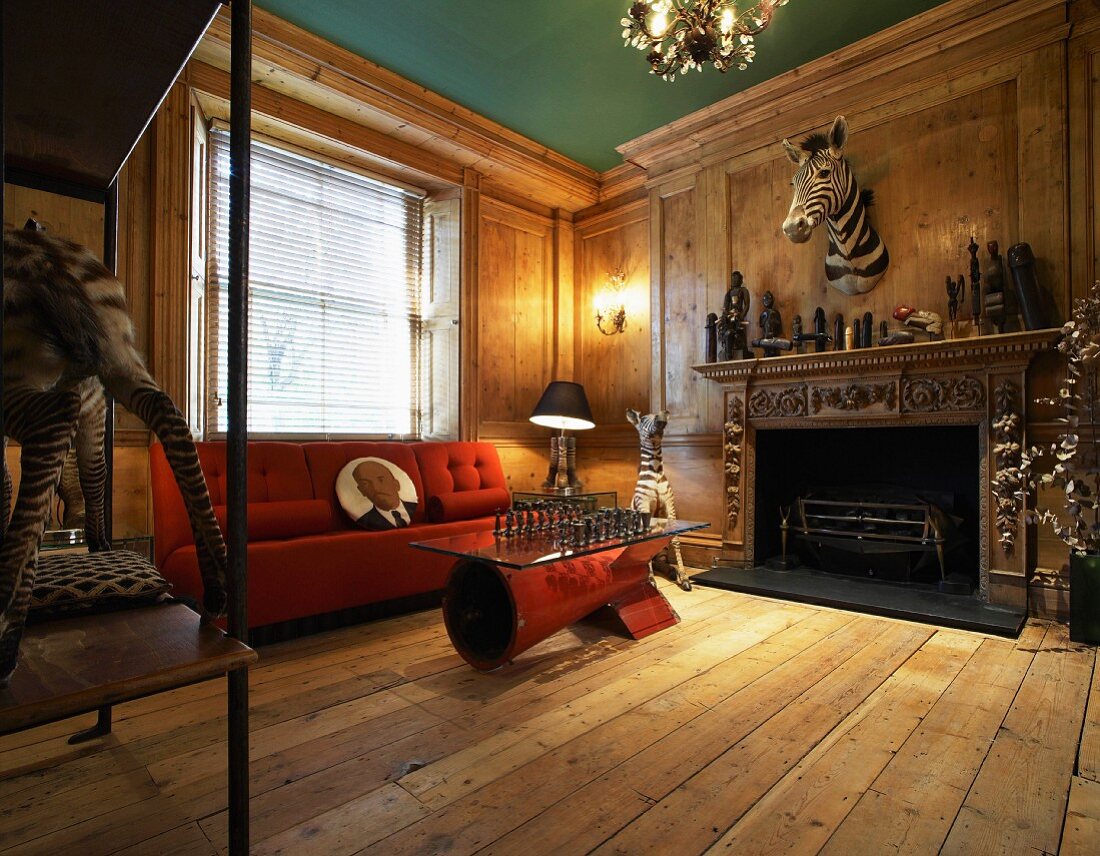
pixel 377 494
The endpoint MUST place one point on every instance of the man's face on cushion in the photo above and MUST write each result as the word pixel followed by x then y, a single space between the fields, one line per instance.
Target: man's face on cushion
pixel 378 485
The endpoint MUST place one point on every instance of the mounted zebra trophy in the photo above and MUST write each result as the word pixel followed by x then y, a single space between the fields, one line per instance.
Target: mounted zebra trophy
pixel 653 493
pixel 67 337
pixel 825 190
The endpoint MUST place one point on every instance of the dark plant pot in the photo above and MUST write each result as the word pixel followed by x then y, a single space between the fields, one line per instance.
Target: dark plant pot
pixel 1084 598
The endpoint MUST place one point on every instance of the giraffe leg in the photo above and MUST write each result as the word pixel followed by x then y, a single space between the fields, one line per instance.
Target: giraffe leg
pixel 44 424
pixel 146 401
pixel 91 460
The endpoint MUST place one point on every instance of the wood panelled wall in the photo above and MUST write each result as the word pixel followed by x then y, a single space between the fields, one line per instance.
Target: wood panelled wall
pixel 957 136
pixel 979 117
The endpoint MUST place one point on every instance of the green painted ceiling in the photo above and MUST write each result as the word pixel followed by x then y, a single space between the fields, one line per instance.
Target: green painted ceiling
pixel 557 71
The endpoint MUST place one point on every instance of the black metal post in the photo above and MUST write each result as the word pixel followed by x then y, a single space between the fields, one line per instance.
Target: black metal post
pixel 240 141
pixel 5 508
pixel 110 260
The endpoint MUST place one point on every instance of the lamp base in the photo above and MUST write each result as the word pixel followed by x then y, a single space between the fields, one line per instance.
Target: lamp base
pixel 562 478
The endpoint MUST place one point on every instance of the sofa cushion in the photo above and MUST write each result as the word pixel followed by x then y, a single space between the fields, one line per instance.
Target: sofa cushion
pixel 326 459
pixel 276 472
pixel 376 494
pixel 467 504
pixel 457 467
pixel 274 521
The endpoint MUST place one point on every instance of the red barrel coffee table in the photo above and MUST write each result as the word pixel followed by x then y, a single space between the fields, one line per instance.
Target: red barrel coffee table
pixel 505 595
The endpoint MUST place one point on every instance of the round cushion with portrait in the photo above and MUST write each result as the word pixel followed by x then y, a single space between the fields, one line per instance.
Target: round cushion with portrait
pixel 376 494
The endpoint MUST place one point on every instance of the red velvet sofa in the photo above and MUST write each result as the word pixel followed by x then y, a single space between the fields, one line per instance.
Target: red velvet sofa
pixel 305 556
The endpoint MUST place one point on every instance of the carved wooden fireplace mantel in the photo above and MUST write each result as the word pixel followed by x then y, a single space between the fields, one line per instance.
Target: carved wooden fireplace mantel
pixel 979 381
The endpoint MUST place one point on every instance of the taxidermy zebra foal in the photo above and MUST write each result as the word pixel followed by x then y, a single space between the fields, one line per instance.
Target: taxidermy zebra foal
pixel 825 189
pixel 653 493
pixel 67 336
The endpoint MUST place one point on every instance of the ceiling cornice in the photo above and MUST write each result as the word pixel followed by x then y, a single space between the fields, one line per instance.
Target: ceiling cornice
pixel 306 67
pixel 929 34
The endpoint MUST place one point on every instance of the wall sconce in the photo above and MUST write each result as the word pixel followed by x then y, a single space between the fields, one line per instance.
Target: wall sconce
pixel 610 307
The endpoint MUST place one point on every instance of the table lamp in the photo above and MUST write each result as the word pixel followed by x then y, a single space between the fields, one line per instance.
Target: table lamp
pixel 563 406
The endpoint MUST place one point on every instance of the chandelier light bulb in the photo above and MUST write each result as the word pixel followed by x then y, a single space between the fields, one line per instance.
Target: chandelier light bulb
pixel 660 24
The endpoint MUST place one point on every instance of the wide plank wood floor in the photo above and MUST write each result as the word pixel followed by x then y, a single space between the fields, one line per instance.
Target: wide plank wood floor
pixel 754 726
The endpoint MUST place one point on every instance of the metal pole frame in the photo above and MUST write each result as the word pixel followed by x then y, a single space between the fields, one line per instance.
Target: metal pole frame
pixel 240 140
pixel 110 261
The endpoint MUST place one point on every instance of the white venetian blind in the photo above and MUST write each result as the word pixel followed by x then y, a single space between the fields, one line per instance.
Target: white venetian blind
pixel 334 282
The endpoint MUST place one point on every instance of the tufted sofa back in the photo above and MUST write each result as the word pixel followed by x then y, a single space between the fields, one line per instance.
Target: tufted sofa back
pixel 292 486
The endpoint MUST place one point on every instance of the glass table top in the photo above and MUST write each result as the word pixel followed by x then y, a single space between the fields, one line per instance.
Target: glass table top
pixel 527 551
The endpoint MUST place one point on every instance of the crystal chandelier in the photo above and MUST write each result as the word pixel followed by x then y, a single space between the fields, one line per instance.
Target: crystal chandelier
pixel 684 34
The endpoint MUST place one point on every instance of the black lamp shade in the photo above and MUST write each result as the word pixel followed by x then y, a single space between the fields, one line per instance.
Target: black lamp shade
pixel 563 406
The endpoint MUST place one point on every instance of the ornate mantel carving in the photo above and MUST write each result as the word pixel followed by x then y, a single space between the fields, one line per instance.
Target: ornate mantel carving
pixel 854 396
pixel 955 382
pixel 934 394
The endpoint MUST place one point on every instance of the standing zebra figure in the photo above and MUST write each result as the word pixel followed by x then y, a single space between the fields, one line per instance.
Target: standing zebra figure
pixel 825 189
pixel 653 493
pixel 67 336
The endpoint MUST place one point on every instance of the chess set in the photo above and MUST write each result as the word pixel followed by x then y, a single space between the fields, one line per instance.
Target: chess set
pixel 566 526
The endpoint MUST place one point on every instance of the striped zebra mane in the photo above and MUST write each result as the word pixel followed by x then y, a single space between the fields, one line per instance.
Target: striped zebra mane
pixel 815 143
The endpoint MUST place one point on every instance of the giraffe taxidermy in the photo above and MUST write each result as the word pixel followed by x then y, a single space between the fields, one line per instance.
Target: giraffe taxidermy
pixel 653 493
pixel 825 190
pixel 67 338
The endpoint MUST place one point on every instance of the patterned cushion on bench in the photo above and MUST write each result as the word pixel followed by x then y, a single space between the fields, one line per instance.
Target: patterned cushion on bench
pixel 93 582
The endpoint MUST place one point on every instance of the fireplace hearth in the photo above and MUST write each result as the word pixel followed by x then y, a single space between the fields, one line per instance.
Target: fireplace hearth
pixel 892 504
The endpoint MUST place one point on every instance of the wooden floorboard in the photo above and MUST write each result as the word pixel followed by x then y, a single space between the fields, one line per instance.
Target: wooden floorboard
pixel 753 726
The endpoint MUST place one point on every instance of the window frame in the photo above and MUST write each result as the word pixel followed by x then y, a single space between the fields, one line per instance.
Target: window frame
pixel 208 228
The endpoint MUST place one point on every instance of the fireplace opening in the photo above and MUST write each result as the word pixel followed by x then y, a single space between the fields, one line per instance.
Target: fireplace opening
pixel 898 504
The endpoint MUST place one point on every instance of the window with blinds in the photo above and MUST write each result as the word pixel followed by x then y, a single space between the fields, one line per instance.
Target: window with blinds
pixel 334 298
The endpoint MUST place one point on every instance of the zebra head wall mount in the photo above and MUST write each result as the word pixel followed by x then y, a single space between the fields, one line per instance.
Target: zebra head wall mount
pixel 825 191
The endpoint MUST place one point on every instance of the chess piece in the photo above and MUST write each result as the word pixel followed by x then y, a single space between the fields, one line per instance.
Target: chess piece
pixel 796 333
pixel 838 333
pixel 1022 263
pixel 868 326
pixel 857 334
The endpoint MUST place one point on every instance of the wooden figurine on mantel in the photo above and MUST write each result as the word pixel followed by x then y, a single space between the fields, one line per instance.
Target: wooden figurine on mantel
pixel 731 325
pixel 977 302
pixel 771 329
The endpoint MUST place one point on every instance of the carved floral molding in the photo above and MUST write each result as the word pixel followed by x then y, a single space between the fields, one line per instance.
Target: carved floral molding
pixel 854 396
pixel 770 403
pixel 732 437
pixel 1008 481
pixel 936 395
